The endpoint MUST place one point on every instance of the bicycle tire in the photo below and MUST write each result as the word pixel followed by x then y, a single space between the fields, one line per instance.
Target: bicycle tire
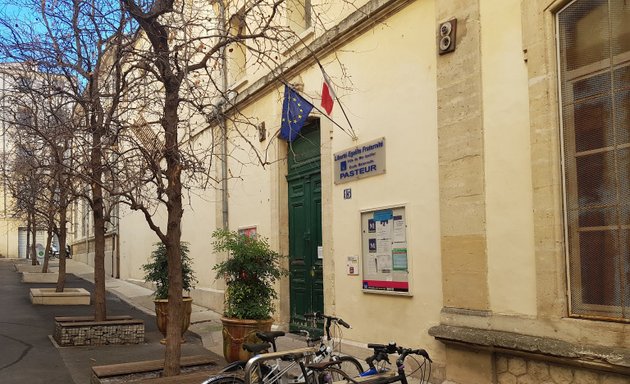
pixel 237 366
pixel 331 374
pixel 347 367
pixel 224 379
pixel 259 373
pixel 348 364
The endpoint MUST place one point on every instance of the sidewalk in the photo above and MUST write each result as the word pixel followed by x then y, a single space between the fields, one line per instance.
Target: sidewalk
pixel 204 322
pixel 27 354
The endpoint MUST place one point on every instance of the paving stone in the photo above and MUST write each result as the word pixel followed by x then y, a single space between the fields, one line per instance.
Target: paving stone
pixel 506 378
pixel 614 379
pixel 585 377
pixel 517 366
pixel 561 375
pixel 538 370
pixel 501 364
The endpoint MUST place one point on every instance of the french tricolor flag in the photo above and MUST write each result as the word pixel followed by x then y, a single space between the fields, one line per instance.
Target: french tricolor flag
pixel 328 95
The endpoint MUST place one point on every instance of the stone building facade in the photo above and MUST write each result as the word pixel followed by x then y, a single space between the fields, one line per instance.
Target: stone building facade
pixel 504 191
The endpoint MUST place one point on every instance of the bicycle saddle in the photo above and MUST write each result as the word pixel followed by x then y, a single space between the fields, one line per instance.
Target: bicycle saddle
pixel 256 348
pixel 269 337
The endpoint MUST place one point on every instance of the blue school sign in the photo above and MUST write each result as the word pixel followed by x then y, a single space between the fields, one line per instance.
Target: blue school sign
pixel 364 160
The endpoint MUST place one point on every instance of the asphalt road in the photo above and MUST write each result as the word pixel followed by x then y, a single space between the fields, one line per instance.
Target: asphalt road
pixel 27 353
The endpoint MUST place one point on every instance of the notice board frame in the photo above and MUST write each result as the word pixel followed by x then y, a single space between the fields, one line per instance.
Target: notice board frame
pixel 384 240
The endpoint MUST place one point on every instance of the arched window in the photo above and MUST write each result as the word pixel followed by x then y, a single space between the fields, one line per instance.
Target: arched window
pixel 594 63
pixel 237 51
pixel 299 15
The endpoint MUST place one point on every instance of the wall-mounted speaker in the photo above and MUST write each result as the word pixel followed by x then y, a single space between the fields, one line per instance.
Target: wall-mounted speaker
pixel 447 36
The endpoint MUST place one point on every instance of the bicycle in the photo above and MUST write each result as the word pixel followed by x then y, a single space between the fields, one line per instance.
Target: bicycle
pixel 328 347
pixel 380 374
pixel 260 370
pixel 282 371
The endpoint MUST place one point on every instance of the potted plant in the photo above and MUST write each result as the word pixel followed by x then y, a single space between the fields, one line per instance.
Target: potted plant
pixel 250 272
pixel 156 271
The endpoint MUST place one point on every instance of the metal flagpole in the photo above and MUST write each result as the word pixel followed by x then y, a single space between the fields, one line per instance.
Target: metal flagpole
pixel 354 136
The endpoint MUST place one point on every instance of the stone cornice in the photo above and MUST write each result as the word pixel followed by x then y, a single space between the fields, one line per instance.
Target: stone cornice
pixel 615 360
pixel 352 26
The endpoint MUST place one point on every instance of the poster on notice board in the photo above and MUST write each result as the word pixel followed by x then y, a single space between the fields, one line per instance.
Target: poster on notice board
pixel 384 258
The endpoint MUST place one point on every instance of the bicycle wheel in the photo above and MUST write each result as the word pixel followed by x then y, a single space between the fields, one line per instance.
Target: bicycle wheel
pixel 333 375
pixel 261 373
pixel 237 366
pixel 348 364
pixel 345 369
pixel 224 379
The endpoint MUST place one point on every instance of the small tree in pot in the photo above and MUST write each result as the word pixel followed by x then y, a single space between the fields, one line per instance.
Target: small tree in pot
pixel 156 271
pixel 250 272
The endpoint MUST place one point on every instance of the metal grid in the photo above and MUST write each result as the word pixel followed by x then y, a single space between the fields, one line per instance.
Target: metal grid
pixel 594 60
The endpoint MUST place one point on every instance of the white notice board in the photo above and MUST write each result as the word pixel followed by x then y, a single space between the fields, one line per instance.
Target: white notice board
pixel 385 261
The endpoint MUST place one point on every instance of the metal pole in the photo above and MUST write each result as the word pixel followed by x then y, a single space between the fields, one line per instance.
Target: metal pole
pixel 224 139
pixel 4 163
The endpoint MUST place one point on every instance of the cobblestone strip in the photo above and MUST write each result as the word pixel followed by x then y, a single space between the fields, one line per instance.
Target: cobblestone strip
pixel 516 370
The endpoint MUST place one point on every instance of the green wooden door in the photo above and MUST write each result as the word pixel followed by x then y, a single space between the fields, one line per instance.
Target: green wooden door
pixel 305 227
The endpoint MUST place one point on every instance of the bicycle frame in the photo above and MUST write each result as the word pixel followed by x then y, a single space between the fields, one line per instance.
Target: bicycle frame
pixel 381 352
pixel 279 374
pixel 386 377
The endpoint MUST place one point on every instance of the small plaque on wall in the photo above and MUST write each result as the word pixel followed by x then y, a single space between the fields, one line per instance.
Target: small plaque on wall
pixel 352 265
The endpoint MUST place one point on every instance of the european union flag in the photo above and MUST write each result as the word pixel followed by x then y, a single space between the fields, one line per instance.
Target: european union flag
pixel 295 110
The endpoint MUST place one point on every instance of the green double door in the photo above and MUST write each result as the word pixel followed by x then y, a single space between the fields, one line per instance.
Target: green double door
pixel 305 227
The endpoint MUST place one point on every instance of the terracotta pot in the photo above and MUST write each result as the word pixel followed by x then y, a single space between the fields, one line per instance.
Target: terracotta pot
pixel 161 315
pixel 236 332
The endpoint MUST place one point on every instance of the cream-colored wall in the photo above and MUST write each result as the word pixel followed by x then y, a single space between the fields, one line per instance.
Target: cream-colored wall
pixel 136 243
pixel 329 13
pixel 393 95
pixel 9 238
pixel 399 104
pixel 198 223
pixel 509 207
pixel 250 185
pixel 137 240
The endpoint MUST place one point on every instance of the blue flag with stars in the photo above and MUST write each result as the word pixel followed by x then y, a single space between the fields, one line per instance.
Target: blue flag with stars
pixel 295 110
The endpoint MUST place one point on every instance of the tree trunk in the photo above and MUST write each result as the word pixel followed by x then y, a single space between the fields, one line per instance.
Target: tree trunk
pixel 173 229
pixel 48 250
pixel 28 238
pixel 34 237
pixel 100 307
pixel 61 280
pixel 158 34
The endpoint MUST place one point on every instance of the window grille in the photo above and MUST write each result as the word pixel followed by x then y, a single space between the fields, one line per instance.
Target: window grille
pixel 594 63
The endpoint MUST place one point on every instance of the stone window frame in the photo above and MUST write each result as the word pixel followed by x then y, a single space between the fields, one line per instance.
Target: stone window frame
pixel 237 51
pixel 304 20
pixel 540 54
pixel 589 298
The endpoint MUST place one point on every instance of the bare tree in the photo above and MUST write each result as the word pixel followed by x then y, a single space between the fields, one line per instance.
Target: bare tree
pixel 184 57
pixel 38 117
pixel 147 77
pixel 72 39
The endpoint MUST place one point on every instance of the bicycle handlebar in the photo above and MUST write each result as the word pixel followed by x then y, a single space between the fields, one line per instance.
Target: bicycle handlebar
pixel 381 352
pixel 321 316
pixel 404 352
pixel 340 321
pixel 329 320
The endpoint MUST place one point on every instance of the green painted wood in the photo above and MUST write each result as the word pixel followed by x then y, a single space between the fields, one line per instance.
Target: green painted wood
pixel 305 227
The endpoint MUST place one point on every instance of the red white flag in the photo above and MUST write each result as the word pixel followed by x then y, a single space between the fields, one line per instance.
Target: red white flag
pixel 327 95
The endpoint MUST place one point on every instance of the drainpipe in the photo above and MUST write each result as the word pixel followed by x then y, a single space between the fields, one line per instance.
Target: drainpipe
pixel 4 151
pixel 223 122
